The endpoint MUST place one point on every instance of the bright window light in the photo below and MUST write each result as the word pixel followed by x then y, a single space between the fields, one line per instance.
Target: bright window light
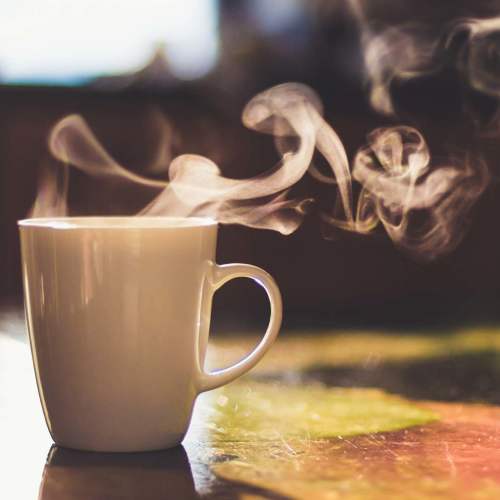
pixel 59 41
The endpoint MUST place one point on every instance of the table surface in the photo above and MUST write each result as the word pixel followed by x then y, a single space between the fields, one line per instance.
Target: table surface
pixel 331 414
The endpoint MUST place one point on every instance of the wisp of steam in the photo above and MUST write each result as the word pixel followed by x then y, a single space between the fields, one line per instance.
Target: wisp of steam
pixel 421 207
pixel 392 53
pixel 400 53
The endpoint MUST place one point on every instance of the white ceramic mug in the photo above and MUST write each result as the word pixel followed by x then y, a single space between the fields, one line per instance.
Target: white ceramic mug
pixel 118 312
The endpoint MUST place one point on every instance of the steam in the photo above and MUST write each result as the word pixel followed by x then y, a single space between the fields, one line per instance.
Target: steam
pixel 422 209
pixel 398 53
pixel 393 53
pixel 404 52
pixel 51 199
pixel 196 186
pixel 420 206
pixel 480 57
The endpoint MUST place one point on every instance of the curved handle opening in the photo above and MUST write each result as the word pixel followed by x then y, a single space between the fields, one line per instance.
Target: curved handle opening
pixel 221 275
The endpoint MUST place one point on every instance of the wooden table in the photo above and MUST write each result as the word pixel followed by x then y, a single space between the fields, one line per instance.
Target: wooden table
pixel 332 414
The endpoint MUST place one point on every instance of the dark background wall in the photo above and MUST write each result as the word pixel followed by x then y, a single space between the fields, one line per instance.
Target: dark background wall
pixel 348 281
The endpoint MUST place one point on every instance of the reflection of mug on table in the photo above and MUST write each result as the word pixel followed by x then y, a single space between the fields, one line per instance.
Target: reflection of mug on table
pixel 78 475
pixel 118 314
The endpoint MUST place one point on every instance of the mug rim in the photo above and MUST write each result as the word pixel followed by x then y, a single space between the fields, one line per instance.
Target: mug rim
pixel 117 222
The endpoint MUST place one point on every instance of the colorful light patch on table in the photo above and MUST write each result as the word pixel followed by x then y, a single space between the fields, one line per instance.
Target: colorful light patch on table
pixel 289 432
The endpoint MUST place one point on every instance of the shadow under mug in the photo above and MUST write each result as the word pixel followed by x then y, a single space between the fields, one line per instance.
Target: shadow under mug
pixel 79 475
pixel 118 312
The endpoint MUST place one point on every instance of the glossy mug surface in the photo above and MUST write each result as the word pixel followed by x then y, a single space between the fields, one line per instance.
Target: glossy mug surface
pixel 118 312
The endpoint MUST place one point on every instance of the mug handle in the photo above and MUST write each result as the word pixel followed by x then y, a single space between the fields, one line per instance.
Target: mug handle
pixel 221 275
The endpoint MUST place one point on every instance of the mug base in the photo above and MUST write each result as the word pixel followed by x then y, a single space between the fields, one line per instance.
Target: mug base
pixel 121 447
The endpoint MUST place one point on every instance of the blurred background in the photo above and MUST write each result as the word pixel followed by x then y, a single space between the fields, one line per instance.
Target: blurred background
pixel 123 65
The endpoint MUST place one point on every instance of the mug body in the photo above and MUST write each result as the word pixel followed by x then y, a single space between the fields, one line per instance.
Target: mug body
pixel 116 310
